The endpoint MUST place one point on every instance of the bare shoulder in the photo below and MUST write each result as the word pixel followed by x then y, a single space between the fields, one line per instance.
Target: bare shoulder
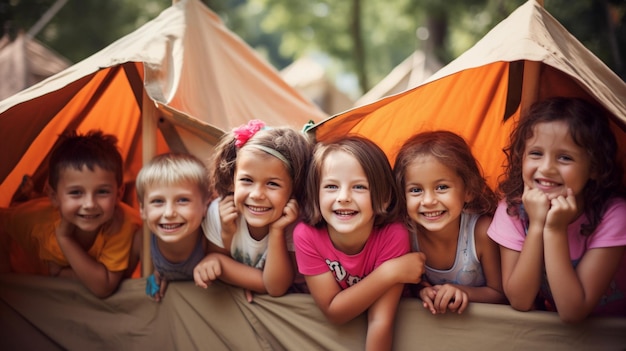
pixel 480 233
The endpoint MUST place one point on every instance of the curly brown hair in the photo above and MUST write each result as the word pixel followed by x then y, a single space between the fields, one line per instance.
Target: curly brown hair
pixel 590 129
pixel 452 151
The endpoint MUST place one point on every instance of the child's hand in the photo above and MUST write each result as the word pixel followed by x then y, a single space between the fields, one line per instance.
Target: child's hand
pixel 249 295
pixel 65 229
pixel 562 211
pixel 228 215
pixel 427 294
pixel 290 214
pixel 407 268
pixel 441 298
pixel 156 286
pixel 208 270
pixel 449 297
pixel 536 204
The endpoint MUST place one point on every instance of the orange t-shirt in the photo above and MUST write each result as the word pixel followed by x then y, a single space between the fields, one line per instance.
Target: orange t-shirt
pixel 31 227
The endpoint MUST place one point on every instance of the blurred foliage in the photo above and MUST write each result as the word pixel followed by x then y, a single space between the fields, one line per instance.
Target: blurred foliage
pixel 361 37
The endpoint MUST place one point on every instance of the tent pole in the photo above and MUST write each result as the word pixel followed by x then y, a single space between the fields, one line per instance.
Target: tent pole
pixel 149 116
pixel 530 81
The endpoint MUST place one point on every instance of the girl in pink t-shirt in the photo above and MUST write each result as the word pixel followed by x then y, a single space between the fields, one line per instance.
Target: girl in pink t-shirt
pixel 352 253
pixel 561 226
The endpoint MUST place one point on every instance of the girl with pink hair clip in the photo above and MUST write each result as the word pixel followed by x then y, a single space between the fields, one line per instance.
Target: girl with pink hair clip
pixel 258 175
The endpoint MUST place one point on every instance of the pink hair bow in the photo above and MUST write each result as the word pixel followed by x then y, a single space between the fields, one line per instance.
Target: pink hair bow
pixel 244 132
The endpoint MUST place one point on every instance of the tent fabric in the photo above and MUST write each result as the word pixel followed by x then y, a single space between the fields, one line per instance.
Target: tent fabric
pixel 25 61
pixel 201 78
pixel 411 72
pixel 67 317
pixel 480 94
pixel 310 79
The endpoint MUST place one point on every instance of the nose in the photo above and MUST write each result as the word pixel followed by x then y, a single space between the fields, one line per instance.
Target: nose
pixel 429 198
pixel 343 195
pixel 88 201
pixel 170 211
pixel 257 191
pixel 546 165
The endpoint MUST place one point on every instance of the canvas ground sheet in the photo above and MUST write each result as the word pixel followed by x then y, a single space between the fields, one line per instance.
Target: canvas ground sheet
pixel 42 313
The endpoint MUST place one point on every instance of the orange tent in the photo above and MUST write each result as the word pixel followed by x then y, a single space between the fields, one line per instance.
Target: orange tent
pixel 176 83
pixel 526 57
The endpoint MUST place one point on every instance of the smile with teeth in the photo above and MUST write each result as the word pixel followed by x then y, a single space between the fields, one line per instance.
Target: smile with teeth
pixel 432 214
pixel 345 212
pixel 170 226
pixel 258 209
pixel 546 183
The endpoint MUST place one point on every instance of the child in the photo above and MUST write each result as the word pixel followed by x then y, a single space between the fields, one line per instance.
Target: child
pixel 561 226
pixel 81 231
pixel 173 193
pixel 448 209
pixel 349 249
pixel 259 178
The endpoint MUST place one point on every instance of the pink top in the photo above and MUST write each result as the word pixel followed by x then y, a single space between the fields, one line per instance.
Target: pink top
pixel 316 254
pixel 510 232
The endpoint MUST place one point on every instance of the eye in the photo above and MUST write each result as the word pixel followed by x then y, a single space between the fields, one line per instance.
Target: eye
pixel 360 187
pixel 535 153
pixel 273 185
pixel 155 201
pixel 245 180
pixel 75 192
pixel 566 158
pixel 104 192
pixel 414 190
pixel 184 200
pixel 442 187
pixel 330 187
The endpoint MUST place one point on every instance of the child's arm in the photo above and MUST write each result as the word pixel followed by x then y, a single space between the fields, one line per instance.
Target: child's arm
pixel 576 292
pixel 218 266
pixel 522 271
pixel 380 320
pixel 341 306
pixel 488 253
pixel 228 221
pixel 278 273
pixel 93 274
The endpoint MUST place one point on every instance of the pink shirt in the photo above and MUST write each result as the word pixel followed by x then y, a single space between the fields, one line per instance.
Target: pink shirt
pixel 510 232
pixel 316 254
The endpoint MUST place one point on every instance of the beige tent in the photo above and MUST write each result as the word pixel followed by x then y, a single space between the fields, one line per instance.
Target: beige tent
pixel 181 80
pixel 25 61
pixel 411 72
pixel 310 79
pixel 42 313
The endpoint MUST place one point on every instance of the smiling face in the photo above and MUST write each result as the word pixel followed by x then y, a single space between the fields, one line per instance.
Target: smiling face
pixel 86 198
pixel 344 196
pixel 435 194
pixel 263 187
pixel 173 212
pixel 553 162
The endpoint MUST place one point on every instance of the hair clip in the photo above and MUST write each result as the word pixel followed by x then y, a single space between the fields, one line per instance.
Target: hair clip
pixel 244 132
